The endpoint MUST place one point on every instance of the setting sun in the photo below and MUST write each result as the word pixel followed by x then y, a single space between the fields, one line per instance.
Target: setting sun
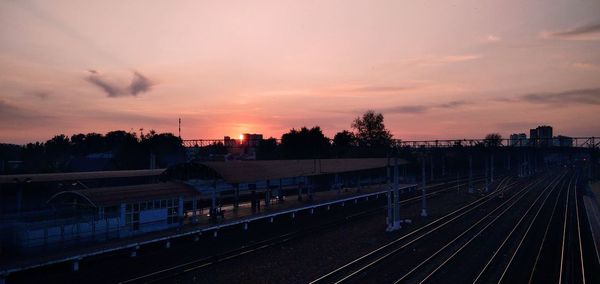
pixel 241 136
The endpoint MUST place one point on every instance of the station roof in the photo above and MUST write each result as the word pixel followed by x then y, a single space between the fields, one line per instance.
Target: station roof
pixel 55 177
pixel 109 196
pixel 251 171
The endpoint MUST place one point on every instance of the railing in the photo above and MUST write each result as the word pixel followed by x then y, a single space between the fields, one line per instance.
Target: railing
pixel 576 142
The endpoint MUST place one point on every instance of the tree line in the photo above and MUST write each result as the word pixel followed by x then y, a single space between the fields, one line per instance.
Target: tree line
pixel 122 149
pixel 368 137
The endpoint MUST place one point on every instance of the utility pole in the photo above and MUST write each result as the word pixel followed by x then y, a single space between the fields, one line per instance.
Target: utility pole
pixel 492 170
pixel 390 213
pixel 443 166
pixel 396 194
pixel 423 200
pixel 431 166
pixel 522 164
pixel 470 173
pixel 457 182
pixel 213 204
pixel 338 184
pixel 394 200
pixel 535 167
pixel 486 160
pixel 527 164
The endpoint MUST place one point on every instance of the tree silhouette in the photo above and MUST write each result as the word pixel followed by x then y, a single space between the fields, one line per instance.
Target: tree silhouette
pixel 370 130
pixel 493 140
pixel 126 149
pixel 267 149
pixel 344 143
pixel 344 139
pixel 305 143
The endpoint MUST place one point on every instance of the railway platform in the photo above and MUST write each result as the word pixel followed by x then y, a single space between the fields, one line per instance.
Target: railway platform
pixel 243 216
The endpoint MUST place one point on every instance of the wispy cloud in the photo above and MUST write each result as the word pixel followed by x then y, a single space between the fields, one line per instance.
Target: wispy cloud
pixel 584 32
pixel 430 60
pixel 579 96
pixel 416 109
pixel 349 90
pixel 15 117
pixel 406 109
pixel 139 84
pixel 452 104
pixel 111 89
pixel 576 96
pixel 7 110
pixel 491 39
pixel 584 66
pixel 70 31
pixel 378 89
pixel 39 94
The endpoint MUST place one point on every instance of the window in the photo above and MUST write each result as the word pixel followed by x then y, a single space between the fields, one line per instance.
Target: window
pixel 132 216
pixel 132 211
pixel 172 211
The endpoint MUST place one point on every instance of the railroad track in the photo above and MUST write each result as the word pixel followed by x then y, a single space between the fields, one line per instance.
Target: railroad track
pixel 562 248
pixel 505 224
pixel 436 261
pixel 490 272
pixel 205 262
pixel 360 266
pixel 536 235
pixel 572 269
pixel 544 243
pixel 552 249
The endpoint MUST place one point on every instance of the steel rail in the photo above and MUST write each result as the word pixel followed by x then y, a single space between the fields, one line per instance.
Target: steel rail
pixel 554 186
pixel 511 205
pixel 549 223
pixel 466 209
pixel 579 232
pixel 564 235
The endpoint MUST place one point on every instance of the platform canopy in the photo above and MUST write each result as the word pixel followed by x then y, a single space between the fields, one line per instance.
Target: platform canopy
pixel 109 196
pixel 56 177
pixel 251 171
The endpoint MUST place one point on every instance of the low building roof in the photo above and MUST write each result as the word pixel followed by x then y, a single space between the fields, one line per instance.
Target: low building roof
pixel 55 177
pixel 109 196
pixel 251 171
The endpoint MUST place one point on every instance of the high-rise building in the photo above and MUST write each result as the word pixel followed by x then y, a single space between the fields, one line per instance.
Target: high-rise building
pixel 518 139
pixel 228 142
pixel 541 136
pixel 251 140
pixel 562 141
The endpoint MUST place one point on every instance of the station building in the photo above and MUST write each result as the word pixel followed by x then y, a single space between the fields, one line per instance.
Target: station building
pixel 183 195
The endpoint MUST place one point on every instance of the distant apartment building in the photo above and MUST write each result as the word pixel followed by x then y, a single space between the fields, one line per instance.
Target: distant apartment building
pixel 228 142
pixel 251 140
pixel 541 136
pixel 562 141
pixel 518 139
pixel 243 148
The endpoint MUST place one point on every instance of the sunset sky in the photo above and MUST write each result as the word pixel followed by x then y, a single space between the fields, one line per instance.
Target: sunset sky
pixel 435 69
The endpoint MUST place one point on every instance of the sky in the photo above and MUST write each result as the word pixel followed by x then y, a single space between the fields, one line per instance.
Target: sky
pixel 435 69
